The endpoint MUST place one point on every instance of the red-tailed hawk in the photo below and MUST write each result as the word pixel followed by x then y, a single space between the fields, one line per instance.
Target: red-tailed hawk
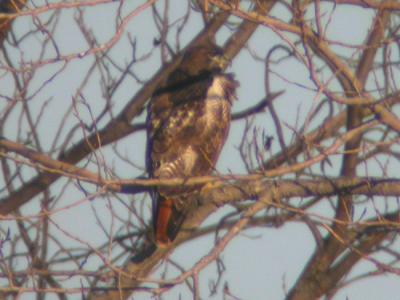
pixel 187 125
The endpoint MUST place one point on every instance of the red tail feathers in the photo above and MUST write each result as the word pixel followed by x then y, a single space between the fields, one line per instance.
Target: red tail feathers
pixel 167 221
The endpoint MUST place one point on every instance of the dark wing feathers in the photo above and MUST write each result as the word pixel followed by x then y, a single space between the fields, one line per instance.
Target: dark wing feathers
pixel 197 126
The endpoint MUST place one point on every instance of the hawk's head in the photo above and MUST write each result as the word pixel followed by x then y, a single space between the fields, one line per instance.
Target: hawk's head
pixel 205 57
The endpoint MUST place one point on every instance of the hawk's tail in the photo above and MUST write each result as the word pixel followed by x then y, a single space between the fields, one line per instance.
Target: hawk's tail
pixel 167 221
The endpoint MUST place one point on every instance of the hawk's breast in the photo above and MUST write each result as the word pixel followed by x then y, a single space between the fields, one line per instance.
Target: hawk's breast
pixel 217 104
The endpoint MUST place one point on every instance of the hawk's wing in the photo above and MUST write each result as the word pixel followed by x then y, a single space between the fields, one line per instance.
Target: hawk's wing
pixel 187 129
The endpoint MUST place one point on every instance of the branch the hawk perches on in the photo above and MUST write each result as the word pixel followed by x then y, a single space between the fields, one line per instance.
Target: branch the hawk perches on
pixel 187 124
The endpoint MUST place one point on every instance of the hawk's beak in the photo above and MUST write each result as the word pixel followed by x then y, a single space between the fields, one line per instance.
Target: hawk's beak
pixel 219 62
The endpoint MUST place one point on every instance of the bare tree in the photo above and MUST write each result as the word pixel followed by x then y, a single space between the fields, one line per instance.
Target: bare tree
pixel 314 142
